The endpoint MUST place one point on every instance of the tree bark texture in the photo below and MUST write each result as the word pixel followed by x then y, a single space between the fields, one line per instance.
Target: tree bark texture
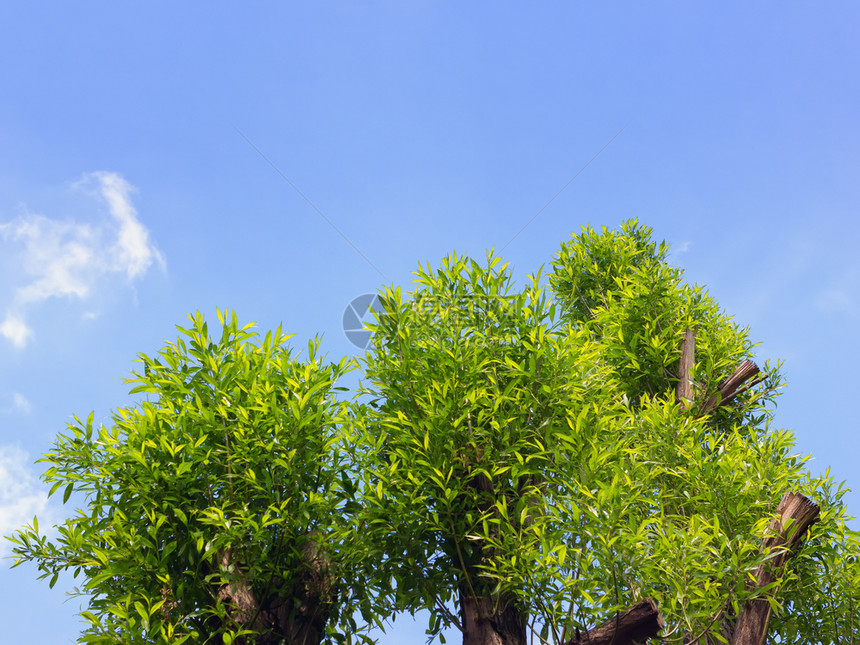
pixel 297 617
pixel 731 387
pixel 636 625
pixel 793 516
pixel 684 393
pixel 486 621
pixel 728 389
pixel 485 618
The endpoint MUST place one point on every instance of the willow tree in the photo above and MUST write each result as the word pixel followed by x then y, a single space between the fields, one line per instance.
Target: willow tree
pixel 590 457
pixel 476 394
pixel 548 457
pixel 213 510
pixel 706 472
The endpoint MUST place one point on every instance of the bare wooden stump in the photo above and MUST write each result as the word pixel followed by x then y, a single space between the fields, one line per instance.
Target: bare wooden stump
pixel 795 514
pixel 731 387
pixel 728 389
pixel 684 393
pixel 636 625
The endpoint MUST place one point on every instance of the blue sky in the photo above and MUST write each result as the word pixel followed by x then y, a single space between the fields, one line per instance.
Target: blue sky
pixel 130 194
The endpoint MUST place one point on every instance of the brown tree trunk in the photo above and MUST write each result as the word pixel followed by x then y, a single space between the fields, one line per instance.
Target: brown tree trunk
pixel 731 387
pixel 685 393
pixel 728 389
pixel 487 621
pixel 636 625
pixel 299 621
pixel 297 617
pixel 306 621
pixel 783 540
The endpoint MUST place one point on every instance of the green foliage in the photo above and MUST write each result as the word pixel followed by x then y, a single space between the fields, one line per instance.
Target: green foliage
pixel 820 601
pixel 473 383
pixel 522 446
pixel 681 516
pixel 589 269
pixel 530 450
pixel 618 285
pixel 224 474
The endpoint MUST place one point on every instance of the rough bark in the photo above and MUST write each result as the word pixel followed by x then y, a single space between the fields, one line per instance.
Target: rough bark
pixel 794 515
pixel 684 393
pixel 728 389
pixel 636 625
pixel 485 618
pixel 295 616
pixel 486 621
pixel 731 387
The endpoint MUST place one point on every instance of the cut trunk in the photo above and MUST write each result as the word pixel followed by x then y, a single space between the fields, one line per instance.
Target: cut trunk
pixel 485 618
pixel 794 515
pixel 636 625
pixel 731 387
pixel 728 389
pixel 684 393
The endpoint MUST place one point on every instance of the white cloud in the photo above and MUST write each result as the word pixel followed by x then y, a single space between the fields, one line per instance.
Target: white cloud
pixel 60 257
pixel 677 250
pixel 15 403
pixel 65 258
pixel 15 330
pixel 21 403
pixel 132 251
pixel 21 495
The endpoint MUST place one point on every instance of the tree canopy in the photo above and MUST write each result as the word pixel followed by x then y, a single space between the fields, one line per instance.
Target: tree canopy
pixel 522 461
pixel 213 506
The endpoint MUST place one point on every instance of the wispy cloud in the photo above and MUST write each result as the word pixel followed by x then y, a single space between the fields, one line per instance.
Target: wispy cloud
pixel 678 249
pixel 132 251
pixel 20 403
pixel 15 403
pixel 683 247
pixel 21 495
pixel 65 258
